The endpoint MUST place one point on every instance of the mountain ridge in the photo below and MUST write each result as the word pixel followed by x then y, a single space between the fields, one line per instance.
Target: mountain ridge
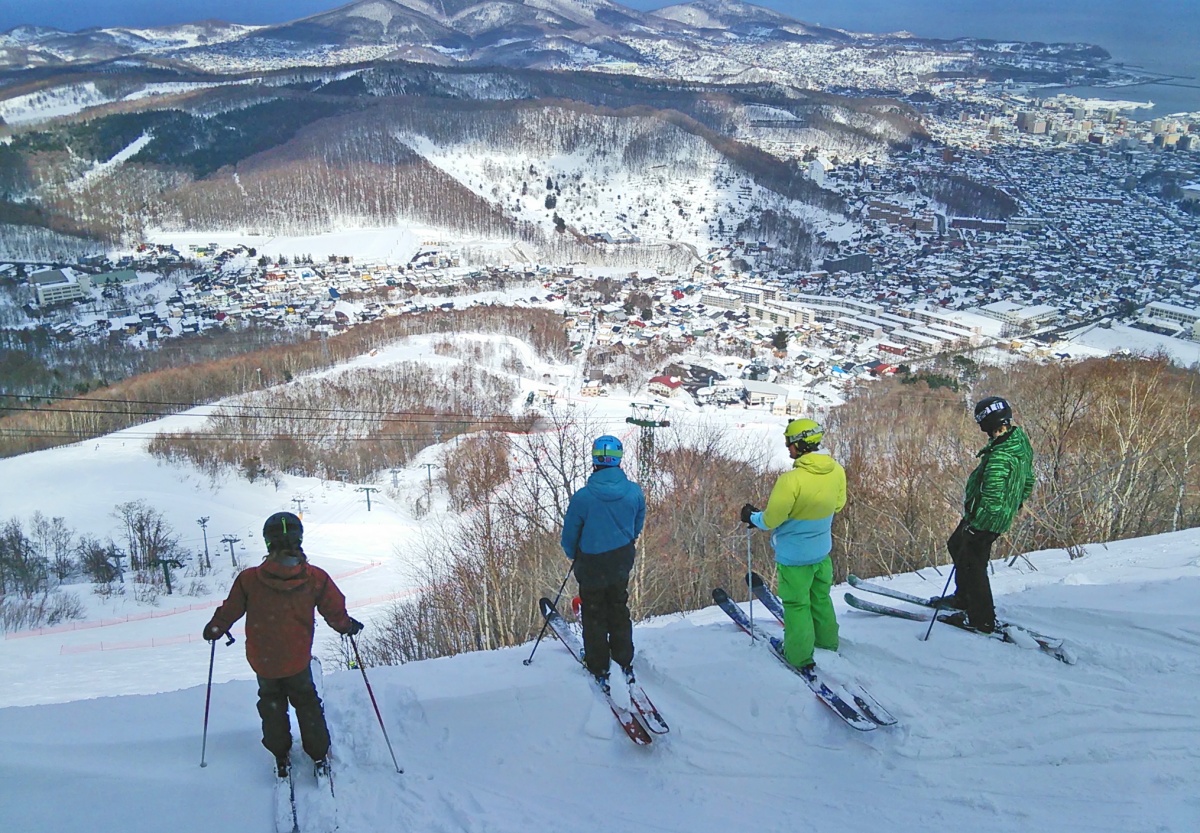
pixel 490 32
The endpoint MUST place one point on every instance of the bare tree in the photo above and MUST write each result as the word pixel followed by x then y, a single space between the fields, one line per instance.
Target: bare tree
pixel 22 569
pixel 149 539
pixel 55 543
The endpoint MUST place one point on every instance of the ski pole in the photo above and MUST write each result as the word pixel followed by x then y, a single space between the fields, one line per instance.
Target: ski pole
pixel 938 607
pixel 749 570
pixel 557 595
pixel 212 657
pixel 371 693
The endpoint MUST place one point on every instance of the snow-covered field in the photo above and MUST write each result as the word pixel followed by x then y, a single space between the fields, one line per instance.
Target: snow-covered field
pixel 602 193
pixel 101 724
pixel 47 104
pixel 389 245
pixel 1120 337
pixel 991 737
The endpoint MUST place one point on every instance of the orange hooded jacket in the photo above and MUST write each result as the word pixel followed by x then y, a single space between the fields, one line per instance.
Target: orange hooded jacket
pixel 278 602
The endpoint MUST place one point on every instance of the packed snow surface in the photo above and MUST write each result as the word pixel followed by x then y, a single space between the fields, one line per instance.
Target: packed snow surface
pixel 991 736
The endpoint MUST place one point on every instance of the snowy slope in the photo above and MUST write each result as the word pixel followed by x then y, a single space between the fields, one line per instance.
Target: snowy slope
pixel 102 719
pixel 991 737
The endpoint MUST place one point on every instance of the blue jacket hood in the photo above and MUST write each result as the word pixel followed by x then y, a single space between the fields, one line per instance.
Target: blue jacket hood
pixel 607 513
pixel 609 484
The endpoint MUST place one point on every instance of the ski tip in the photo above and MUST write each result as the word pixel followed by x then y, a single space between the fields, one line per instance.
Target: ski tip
pixel 720 596
pixel 754 580
pixel 546 606
pixel 853 580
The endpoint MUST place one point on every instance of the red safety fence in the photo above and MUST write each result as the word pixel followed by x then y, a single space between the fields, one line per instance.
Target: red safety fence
pixel 150 614
pixel 162 641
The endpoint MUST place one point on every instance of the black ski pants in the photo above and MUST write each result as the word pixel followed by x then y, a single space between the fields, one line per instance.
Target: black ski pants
pixel 971 550
pixel 273 699
pixel 604 606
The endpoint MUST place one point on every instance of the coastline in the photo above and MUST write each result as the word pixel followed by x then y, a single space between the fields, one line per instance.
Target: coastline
pixel 1164 98
pixel 1169 94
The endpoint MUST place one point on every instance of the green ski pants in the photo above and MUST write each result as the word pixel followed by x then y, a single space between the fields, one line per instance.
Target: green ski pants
pixel 808 618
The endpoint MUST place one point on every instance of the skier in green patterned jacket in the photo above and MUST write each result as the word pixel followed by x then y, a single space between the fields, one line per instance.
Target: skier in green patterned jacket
pixel 800 514
pixel 996 490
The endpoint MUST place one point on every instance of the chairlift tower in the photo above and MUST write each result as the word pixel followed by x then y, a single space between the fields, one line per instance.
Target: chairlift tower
pixel 647 417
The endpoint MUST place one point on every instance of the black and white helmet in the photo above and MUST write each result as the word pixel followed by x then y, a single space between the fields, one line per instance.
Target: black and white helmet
pixel 991 413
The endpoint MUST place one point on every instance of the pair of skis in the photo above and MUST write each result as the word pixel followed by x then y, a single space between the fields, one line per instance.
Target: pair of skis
pixel 1005 631
pixel 849 701
pixel 643 721
pixel 319 805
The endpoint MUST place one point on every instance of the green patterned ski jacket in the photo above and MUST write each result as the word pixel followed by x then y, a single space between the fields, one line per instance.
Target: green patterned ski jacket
pixel 1001 483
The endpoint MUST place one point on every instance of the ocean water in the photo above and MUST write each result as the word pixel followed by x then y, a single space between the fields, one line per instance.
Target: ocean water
pixel 1161 36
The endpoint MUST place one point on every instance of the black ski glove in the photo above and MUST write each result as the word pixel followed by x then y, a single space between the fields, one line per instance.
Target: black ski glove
pixel 212 632
pixel 355 627
pixel 748 509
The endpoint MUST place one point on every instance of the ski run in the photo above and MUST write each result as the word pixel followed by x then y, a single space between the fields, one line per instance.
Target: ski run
pixel 101 721
pixel 987 735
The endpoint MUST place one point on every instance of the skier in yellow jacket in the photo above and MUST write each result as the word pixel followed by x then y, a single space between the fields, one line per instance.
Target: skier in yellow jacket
pixel 800 511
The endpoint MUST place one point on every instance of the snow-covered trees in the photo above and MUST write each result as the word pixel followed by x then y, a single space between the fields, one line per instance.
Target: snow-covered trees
pixel 1115 454
pixel 216 373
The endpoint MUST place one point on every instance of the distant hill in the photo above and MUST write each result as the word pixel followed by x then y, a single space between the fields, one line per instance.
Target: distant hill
pixel 283 128
pixel 484 32
pixel 33 46
pixel 745 18
pixel 632 158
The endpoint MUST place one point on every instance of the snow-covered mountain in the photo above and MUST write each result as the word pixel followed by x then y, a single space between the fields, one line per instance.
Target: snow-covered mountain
pixel 36 45
pixel 735 16
pixel 507 32
pixel 364 22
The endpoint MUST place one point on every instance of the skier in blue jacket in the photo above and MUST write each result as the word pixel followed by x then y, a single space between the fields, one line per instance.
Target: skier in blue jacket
pixel 600 529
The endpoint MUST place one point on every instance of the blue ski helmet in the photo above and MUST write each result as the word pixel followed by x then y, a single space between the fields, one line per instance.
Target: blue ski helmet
pixel 607 451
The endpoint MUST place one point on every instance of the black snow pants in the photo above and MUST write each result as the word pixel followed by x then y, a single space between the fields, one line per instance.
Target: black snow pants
pixel 604 600
pixel 273 699
pixel 971 552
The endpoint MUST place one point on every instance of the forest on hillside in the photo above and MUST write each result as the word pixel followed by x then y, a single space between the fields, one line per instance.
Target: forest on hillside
pixel 314 151
pixel 177 381
pixel 1114 460
pixel 1115 441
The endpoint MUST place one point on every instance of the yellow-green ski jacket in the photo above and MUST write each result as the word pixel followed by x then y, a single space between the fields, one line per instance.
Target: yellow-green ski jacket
pixel 801 508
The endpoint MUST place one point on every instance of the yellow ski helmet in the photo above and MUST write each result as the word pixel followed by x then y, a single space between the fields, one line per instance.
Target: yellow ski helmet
pixel 805 432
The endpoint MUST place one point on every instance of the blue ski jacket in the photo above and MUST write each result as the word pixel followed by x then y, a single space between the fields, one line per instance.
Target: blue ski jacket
pixel 607 513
